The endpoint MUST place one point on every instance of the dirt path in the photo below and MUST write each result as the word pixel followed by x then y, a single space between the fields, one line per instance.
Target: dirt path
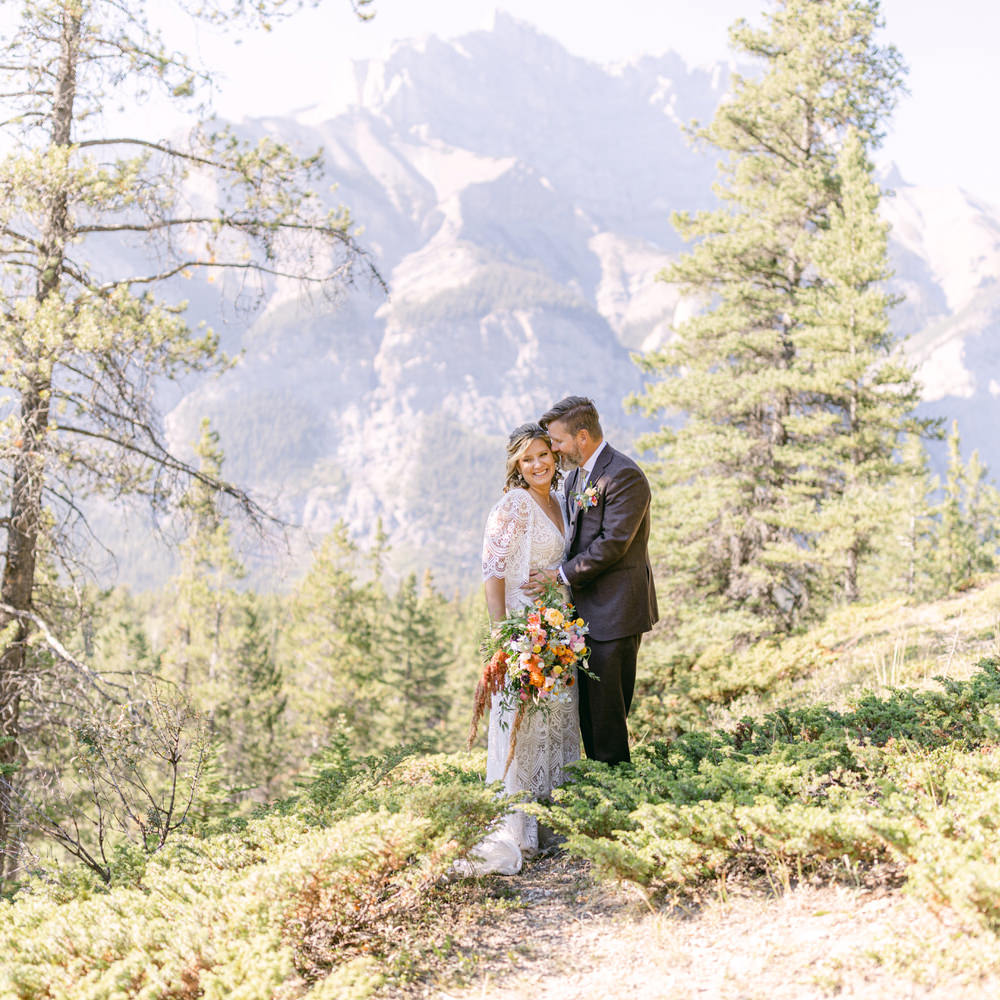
pixel 559 936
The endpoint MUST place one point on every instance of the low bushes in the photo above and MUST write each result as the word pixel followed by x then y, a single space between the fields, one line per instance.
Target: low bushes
pixel 278 906
pixel 295 901
pixel 908 780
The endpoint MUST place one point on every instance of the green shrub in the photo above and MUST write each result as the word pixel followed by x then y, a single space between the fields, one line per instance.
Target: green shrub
pixel 907 779
pixel 277 905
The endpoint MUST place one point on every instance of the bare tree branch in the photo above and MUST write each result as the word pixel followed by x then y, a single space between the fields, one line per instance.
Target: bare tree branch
pixel 90 676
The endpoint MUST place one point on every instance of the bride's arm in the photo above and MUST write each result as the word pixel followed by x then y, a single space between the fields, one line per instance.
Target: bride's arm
pixel 496 599
pixel 504 546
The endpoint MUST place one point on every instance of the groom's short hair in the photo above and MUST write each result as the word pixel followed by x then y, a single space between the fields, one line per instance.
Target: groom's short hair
pixel 575 413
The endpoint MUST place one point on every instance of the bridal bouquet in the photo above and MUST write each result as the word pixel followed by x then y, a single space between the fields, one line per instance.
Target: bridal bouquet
pixel 530 661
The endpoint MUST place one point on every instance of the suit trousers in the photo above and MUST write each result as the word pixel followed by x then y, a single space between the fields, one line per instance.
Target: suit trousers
pixel 604 703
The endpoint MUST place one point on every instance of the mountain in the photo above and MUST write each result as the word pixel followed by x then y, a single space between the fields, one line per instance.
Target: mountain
pixel 946 252
pixel 517 199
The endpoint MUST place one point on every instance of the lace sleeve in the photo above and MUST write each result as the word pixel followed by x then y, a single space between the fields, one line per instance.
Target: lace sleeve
pixel 506 536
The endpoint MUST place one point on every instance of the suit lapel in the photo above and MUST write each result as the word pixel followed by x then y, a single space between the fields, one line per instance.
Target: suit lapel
pixel 603 461
pixel 575 509
pixel 595 474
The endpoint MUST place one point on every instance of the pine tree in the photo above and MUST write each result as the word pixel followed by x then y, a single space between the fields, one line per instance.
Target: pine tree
pixel 463 623
pixel 904 557
pixel 252 720
pixel 97 225
pixel 203 597
pixel 956 543
pixel 115 634
pixel 967 516
pixel 335 648
pixel 416 703
pixel 760 411
pixel 855 401
pixel 983 512
pixel 219 651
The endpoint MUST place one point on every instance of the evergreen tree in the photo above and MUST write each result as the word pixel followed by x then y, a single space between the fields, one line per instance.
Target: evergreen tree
pixel 335 647
pixel 252 717
pixel 94 226
pixel 856 397
pixel 955 541
pixel 115 634
pixel 416 703
pixel 219 651
pixel 462 622
pixel 203 597
pixel 983 512
pixel 905 555
pixel 967 514
pixel 764 415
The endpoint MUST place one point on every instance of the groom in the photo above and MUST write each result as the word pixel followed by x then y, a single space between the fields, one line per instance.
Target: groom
pixel 607 568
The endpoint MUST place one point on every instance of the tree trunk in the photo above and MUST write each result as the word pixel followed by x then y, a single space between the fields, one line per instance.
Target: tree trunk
pixel 851 575
pixel 24 519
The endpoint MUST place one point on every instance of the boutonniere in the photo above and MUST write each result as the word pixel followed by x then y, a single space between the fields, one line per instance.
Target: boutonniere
pixel 588 498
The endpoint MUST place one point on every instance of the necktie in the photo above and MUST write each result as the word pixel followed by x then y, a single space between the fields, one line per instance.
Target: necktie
pixel 580 479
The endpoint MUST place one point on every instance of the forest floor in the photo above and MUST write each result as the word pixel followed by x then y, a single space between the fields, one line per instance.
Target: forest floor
pixel 554 933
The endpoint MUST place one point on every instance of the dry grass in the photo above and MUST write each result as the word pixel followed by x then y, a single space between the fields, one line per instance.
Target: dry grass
pixel 888 645
pixel 560 936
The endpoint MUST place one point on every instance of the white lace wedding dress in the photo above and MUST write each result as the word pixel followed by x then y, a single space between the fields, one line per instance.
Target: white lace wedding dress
pixel 520 538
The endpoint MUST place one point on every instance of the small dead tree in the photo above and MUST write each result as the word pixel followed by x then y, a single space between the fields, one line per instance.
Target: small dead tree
pixel 137 776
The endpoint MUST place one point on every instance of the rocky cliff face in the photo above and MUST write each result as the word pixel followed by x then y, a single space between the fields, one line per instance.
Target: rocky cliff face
pixel 517 199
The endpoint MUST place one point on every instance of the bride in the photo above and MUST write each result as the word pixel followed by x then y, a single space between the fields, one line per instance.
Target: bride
pixel 525 531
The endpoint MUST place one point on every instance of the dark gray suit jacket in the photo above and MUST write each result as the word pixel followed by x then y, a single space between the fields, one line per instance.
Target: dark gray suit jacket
pixel 608 564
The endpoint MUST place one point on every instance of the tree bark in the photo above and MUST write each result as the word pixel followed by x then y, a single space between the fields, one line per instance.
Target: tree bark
pixel 24 522
pixel 851 575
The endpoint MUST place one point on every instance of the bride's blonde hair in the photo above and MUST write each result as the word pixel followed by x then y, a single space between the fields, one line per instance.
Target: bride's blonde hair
pixel 518 443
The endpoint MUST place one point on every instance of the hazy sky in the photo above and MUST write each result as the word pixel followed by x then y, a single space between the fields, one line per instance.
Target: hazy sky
pixel 944 132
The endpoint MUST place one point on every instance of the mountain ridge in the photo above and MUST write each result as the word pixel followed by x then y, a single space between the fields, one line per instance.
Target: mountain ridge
pixel 517 198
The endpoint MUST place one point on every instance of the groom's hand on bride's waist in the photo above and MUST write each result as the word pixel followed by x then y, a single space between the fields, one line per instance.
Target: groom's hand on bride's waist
pixel 540 579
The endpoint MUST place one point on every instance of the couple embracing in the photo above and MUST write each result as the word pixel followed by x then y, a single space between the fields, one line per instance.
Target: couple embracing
pixel 590 538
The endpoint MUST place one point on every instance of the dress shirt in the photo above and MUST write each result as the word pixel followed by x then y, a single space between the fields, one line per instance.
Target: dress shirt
pixel 588 467
pixel 583 477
